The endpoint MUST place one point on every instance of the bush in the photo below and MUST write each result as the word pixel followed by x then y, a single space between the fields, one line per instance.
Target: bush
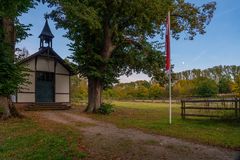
pixel 106 108
pixel 205 87
pixel 224 85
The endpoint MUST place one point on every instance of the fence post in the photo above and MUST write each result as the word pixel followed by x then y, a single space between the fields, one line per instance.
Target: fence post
pixel 183 109
pixel 236 107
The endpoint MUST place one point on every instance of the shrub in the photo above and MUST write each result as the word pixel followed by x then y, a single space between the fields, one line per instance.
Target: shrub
pixel 106 108
pixel 205 87
pixel 1 109
pixel 183 88
pixel 236 86
pixel 224 85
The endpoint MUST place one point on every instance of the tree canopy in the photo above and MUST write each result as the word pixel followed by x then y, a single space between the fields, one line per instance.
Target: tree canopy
pixel 11 31
pixel 112 37
pixel 115 33
pixel 216 73
pixel 11 75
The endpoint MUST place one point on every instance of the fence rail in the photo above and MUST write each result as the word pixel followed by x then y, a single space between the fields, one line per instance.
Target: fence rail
pixel 209 107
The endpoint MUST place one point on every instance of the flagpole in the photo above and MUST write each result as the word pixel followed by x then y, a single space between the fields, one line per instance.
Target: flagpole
pixel 170 77
pixel 170 98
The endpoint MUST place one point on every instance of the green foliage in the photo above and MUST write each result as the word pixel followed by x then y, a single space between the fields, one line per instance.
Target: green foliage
pixel 142 92
pixel 1 110
pixel 216 73
pixel 224 76
pixel 183 88
pixel 110 94
pixel 205 87
pixel 12 9
pixel 225 85
pixel 146 90
pixel 106 108
pixel 11 74
pixel 110 38
pixel 236 86
pixel 156 91
pixel 133 90
pixel 78 88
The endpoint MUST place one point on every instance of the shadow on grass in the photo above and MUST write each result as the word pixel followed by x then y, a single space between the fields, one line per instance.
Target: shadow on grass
pixel 23 139
pixel 233 122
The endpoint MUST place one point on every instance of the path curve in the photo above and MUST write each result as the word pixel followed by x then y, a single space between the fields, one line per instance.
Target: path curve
pixel 106 141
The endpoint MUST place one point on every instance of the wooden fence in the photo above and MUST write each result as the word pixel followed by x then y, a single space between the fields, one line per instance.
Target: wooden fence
pixel 211 108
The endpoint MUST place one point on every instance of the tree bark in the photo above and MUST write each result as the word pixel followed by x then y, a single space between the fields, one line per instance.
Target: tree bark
pixel 95 86
pixel 9 33
pixel 108 46
pixel 9 110
pixel 9 39
pixel 6 110
pixel 94 95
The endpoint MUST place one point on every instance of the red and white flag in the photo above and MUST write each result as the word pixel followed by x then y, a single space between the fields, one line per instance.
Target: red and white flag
pixel 167 44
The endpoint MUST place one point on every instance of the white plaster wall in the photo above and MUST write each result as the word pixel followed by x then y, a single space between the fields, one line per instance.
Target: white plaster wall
pixel 30 64
pixel 45 64
pixel 62 84
pixel 62 98
pixel 30 86
pixel 61 69
pixel 25 97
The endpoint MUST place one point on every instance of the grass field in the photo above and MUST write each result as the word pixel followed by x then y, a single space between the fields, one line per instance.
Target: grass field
pixel 1 109
pixel 27 138
pixel 153 118
pixel 24 139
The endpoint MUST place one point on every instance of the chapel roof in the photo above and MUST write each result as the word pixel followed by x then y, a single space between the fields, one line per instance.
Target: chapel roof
pixel 46 32
pixel 49 53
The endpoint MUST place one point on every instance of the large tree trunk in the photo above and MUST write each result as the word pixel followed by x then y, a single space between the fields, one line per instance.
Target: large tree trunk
pixel 4 104
pixel 9 109
pixel 94 95
pixel 95 87
pixel 9 33
pixel 9 38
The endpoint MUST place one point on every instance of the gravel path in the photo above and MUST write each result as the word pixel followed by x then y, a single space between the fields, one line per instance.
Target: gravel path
pixel 106 141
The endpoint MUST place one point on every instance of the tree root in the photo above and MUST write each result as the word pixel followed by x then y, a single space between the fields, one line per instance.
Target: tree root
pixel 10 110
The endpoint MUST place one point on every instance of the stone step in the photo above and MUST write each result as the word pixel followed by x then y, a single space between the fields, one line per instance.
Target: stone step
pixel 37 107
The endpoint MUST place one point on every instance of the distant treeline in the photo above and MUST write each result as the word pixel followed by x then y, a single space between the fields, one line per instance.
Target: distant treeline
pixel 219 80
pixel 215 73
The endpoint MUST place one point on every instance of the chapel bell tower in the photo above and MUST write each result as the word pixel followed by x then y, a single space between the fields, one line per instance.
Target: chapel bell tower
pixel 46 36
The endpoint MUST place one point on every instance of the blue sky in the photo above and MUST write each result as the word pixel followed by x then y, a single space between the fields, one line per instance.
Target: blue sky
pixel 219 46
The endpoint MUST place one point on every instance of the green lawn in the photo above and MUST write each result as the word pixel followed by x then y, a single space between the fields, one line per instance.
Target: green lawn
pixel 153 118
pixel 1 109
pixel 23 139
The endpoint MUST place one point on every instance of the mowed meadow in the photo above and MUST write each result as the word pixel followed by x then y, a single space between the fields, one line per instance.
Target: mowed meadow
pixel 28 139
pixel 154 118
pixel 34 138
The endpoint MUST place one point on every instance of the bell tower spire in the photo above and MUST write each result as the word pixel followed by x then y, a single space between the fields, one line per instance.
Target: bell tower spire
pixel 46 36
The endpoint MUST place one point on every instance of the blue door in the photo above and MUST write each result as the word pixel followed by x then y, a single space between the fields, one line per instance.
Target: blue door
pixel 44 87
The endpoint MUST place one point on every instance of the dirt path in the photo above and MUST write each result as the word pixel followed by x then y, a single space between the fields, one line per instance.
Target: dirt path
pixel 106 141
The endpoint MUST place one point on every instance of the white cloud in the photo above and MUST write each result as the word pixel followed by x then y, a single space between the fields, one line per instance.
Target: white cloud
pixel 134 77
